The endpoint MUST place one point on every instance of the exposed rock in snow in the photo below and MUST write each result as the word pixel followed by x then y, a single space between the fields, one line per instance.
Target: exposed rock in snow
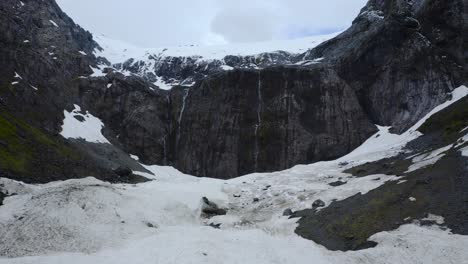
pixel 210 209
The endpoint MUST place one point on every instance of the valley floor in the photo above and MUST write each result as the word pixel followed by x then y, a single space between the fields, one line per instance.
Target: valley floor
pixel 90 221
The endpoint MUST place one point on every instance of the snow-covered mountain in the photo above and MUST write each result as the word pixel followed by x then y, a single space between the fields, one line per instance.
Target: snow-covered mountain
pixel 351 150
pixel 183 65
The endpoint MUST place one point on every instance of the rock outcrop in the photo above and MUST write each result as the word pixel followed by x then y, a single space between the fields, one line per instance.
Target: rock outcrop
pixel 401 57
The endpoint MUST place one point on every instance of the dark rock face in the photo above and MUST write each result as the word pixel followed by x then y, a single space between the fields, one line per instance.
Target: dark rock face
pixel 41 52
pixel 2 197
pixel 186 70
pixel 42 45
pixel 245 121
pixel 401 57
pixel 390 68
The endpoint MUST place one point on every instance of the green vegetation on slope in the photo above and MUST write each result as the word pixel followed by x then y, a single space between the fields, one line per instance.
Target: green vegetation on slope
pixel 23 146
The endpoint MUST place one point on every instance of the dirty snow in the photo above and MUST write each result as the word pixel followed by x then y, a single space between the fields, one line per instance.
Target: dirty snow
pixel 89 221
pixel 89 129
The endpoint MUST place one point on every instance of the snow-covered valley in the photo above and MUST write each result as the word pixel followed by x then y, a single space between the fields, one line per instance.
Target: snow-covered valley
pixel 348 148
pixel 90 221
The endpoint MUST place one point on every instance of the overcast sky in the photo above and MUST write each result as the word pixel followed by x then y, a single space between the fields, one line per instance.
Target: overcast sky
pixel 155 23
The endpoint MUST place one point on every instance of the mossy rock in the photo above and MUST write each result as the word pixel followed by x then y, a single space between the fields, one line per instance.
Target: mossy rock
pixel 449 121
pixel 31 155
pixel 22 144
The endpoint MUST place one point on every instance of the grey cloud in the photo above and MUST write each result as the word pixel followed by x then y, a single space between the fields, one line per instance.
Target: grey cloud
pixel 172 22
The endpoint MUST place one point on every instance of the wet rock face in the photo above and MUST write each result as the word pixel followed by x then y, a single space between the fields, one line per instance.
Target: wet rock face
pixel 245 121
pixel 391 67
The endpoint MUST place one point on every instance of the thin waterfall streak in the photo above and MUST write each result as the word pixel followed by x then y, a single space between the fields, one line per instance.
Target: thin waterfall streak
pixel 259 120
pixel 184 99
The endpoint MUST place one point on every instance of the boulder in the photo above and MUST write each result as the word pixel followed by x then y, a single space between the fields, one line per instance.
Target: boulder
pixel 287 212
pixel 210 209
pixel 318 203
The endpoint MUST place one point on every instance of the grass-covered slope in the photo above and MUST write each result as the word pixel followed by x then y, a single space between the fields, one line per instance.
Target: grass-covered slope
pixel 31 155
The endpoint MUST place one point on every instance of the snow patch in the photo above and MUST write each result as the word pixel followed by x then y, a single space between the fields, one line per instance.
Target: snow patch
pixel 17 76
pixel 226 68
pixel 89 129
pixel 427 159
pixel 161 84
pixel 434 218
pixel 464 151
pixel 53 23
pixel 97 72
pixel 385 144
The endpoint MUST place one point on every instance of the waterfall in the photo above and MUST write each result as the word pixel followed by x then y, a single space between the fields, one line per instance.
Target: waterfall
pixel 164 150
pixel 182 110
pixel 259 119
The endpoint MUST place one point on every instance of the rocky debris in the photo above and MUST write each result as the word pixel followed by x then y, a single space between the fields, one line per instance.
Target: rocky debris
pixel 337 183
pixel 151 225
pixel 390 166
pixel 215 226
pixel 210 209
pixel 318 203
pixel 123 171
pixel 287 212
pixel 2 197
pixel 256 200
